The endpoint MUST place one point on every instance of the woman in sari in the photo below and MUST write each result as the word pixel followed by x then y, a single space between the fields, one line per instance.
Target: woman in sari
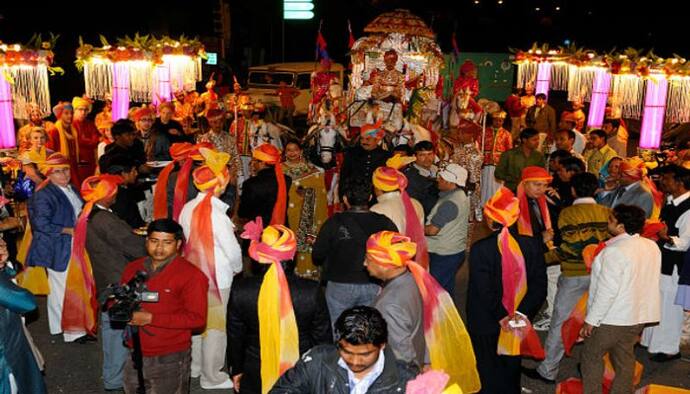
pixel 307 209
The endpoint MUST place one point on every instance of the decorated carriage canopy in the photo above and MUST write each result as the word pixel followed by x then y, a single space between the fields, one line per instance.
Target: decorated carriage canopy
pixel 635 84
pixel 24 82
pixel 140 69
pixel 398 56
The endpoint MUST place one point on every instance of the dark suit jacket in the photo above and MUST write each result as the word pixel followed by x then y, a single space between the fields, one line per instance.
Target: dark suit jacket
pixel 311 313
pixel 485 289
pixel 259 194
pixel 545 122
pixel 49 212
pixel 636 195
pixel 361 163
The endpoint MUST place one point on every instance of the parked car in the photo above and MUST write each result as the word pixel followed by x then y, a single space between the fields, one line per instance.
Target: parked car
pixel 264 80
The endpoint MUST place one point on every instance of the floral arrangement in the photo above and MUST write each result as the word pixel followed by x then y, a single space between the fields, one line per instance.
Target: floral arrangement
pixel 35 52
pixel 147 47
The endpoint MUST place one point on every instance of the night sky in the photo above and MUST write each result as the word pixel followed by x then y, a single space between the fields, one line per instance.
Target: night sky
pixel 257 27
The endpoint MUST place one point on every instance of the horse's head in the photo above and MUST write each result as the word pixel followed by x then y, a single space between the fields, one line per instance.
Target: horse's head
pixel 328 137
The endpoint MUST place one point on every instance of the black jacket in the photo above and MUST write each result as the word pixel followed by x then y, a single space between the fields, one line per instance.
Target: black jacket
pixel 341 245
pixel 259 194
pixel 134 154
pixel 318 372
pixel 362 163
pixel 421 188
pixel 125 206
pixel 485 290
pixel 311 313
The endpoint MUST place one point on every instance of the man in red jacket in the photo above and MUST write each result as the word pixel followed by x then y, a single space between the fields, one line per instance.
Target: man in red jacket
pixel 167 325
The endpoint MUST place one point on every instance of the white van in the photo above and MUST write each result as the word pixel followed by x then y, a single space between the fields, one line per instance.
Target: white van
pixel 264 80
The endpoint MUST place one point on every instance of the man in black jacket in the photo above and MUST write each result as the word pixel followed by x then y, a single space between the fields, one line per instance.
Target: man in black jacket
pixel 361 160
pixel 359 362
pixel 486 314
pixel 421 176
pixel 340 248
pixel 243 353
pixel 260 192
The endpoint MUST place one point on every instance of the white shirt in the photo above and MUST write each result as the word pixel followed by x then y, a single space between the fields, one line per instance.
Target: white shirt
pixel 73 198
pixel 226 249
pixel 681 243
pixel 579 145
pixel 624 287
pixel 584 200
pixel 391 205
pixel 361 386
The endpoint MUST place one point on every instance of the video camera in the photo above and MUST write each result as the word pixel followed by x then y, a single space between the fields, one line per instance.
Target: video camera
pixel 127 298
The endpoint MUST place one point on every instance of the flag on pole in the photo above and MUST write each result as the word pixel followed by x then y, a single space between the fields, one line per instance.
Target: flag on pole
pixel 351 40
pixel 321 45
pixel 454 42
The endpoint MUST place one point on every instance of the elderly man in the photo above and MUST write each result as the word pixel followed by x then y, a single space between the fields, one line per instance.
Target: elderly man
pixel 204 219
pixel 634 188
pixel 53 212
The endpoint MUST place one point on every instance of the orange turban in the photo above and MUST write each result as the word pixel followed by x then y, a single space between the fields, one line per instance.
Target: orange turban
pixel 633 168
pixel 55 160
pixel 503 207
pixel 373 130
pixel 532 174
pixel 81 286
pixel 448 342
pixel 535 173
pixel 185 153
pixel 389 179
pixel 141 112
pixel 278 333
pixel 269 154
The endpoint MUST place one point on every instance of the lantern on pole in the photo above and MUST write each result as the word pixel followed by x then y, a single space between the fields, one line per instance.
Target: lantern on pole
pixel 654 109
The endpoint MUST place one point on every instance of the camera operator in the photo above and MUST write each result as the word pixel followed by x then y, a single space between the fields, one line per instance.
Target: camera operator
pixel 111 244
pixel 166 326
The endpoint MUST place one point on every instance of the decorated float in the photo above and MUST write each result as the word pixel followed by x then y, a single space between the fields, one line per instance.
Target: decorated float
pixel 141 69
pixel 633 84
pixel 394 67
pixel 24 83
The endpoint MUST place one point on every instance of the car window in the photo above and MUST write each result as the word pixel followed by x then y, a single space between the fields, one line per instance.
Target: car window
pixel 270 79
pixel 304 81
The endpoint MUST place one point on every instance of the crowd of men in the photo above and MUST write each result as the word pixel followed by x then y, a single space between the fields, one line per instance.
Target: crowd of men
pixel 576 235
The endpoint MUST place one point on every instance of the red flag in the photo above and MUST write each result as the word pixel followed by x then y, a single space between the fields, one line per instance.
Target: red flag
pixel 351 40
pixel 320 41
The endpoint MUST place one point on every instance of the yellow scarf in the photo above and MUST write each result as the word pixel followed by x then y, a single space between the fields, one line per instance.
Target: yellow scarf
pixel 64 145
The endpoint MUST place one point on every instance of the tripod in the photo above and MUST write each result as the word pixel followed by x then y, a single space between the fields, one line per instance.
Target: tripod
pixel 138 359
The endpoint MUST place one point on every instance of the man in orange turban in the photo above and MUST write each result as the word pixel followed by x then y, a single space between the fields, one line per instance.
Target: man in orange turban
pixel 409 292
pixel 361 160
pixel 507 287
pixel 635 189
pixel 394 203
pixel 265 193
pixel 110 244
pixel 213 248
pixel 87 138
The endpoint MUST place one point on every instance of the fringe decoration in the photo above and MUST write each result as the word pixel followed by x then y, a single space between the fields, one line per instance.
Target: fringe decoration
pixel 98 79
pixel 527 73
pixel 628 93
pixel 560 73
pixel 30 86
pixel 678 103
pixel 580 83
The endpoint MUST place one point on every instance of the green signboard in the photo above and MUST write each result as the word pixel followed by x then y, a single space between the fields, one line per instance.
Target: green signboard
pixel 495 73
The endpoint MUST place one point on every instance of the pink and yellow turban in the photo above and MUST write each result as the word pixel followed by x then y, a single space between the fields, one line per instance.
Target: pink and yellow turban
pixel 278 333
pixel 448 342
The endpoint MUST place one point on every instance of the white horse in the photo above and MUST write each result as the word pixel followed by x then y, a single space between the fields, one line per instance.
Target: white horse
pixel 328 132
pixel 461 107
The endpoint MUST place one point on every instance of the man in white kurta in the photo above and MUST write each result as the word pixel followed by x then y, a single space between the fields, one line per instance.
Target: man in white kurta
pixel 208 349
